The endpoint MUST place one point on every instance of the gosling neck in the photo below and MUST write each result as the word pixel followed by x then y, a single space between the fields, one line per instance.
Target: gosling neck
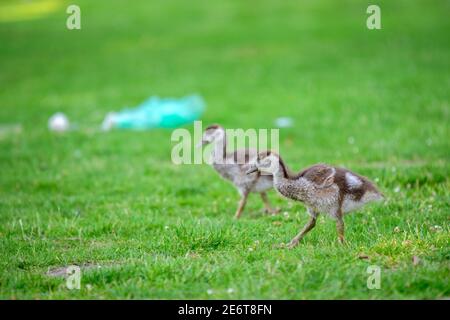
pixel 285 183
pixel 219 150
pixel 281 172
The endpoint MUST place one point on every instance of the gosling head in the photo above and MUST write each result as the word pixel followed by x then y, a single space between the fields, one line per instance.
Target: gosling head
pixel 212 134
pixel 266 163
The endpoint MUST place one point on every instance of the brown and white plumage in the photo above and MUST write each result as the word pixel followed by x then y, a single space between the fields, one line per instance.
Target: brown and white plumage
pixel 233 166
pixel 322 188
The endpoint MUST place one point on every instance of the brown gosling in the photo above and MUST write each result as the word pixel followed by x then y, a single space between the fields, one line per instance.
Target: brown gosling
pixel 233 166
pixel 322 188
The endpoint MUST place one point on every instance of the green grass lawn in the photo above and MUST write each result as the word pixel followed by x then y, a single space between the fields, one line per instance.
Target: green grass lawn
pixel 376 102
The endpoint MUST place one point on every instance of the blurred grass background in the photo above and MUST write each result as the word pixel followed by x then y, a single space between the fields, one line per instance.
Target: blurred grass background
pixel 374 101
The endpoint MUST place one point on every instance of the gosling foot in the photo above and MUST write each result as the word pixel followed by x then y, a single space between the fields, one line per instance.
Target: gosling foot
pixel 294 242
pixel 272 211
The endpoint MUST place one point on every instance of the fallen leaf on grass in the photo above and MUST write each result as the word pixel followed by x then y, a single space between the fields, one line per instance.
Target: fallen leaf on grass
pixel 279 246
pixel 436 228
pixel 192 255
pixel 407 242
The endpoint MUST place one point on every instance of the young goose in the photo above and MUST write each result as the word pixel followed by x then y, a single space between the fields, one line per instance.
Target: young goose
pixel 233 167
pixel 323 188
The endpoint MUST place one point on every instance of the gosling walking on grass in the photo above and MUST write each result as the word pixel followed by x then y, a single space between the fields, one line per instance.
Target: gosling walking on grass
pixel 324 189
pixel 233 166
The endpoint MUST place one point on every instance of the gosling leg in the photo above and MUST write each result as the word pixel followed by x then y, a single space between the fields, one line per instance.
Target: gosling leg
pixel 267 207
pixel 340 228
pixel 308 227
pixel 241 205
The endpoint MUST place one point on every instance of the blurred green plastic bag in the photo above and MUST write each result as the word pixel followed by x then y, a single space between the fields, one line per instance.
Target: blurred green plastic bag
pixel 157 112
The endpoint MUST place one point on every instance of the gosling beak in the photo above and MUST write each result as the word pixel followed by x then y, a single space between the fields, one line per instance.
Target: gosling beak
pixel 251 170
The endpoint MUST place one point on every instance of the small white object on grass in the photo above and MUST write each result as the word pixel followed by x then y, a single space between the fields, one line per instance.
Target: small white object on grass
pixel 284 122
pixel 58 122
pixel 109 121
